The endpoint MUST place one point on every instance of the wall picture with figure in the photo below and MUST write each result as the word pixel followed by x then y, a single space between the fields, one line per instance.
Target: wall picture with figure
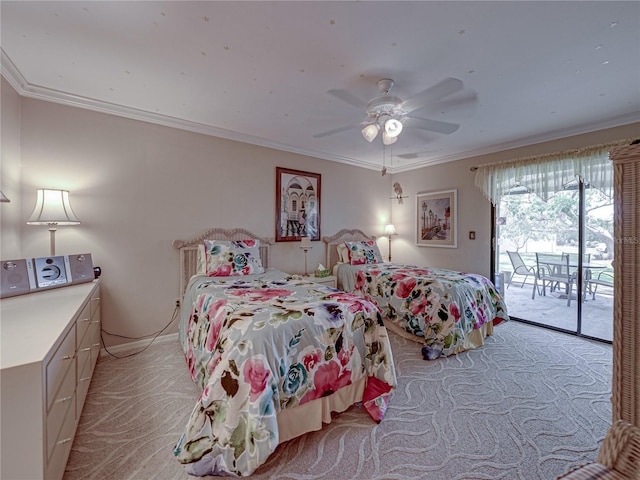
pixel 297 205
pixel 436 219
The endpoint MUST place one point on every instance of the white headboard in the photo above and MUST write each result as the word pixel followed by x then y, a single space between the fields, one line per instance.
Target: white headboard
pixel 189 250
pixel 342 236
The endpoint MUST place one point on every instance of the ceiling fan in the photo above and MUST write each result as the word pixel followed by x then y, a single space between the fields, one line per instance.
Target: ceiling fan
pixel 390 114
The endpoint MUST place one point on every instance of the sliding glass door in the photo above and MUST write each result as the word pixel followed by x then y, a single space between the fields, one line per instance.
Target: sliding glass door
pixel 555 258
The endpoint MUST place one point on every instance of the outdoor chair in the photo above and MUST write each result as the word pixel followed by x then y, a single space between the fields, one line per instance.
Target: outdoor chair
pixel 519 268
pixel 604 278
pixel 551 271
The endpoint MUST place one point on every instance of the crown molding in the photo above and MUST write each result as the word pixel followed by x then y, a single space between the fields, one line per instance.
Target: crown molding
pixel 15 78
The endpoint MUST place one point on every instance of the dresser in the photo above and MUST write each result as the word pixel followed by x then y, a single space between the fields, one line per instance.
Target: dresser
pixel 50 342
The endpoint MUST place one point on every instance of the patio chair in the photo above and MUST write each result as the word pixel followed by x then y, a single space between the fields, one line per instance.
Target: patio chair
pixel 519 268
pixel 551 271
pixel 604 278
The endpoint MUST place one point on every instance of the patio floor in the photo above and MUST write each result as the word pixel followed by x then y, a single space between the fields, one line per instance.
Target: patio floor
pixel 597 315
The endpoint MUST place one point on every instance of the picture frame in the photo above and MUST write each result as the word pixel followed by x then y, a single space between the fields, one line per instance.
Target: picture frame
pixel 297 205
pixel 437 219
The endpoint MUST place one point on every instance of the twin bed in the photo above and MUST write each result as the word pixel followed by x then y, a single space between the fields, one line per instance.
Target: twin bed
pixel 275 354
pixel 446 311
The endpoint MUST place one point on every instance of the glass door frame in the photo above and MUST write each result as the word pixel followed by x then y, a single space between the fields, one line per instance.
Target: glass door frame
pixel 580 283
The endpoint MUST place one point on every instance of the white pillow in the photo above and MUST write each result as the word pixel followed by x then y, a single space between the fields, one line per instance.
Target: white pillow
pixel 201 262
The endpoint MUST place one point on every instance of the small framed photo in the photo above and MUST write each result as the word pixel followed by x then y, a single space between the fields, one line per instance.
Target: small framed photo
pixel 437 219
pixel 297 205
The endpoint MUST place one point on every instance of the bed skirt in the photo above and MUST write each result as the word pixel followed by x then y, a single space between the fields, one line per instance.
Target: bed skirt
pixel 310 416
pixel 474 339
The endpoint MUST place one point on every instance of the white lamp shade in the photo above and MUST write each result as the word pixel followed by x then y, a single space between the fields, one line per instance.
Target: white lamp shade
pixel 393 127
pixel 390 229
pixel 305 242
pixel 387 140
pixel 53 208
pixel 370 131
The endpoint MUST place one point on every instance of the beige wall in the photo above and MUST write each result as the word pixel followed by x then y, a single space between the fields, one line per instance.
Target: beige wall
pixel 136 187
pixel 10 172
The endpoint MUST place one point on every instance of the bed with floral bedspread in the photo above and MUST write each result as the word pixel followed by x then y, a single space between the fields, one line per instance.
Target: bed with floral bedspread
pixel 264 346
pixel 450 311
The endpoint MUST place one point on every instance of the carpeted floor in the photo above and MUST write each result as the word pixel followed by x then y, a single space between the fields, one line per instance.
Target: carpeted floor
pixel 528 405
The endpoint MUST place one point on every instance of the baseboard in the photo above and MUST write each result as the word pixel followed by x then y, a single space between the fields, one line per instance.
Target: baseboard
pixel 138 345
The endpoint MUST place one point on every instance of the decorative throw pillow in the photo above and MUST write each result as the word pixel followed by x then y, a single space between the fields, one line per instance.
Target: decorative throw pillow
pixel 363 252
pixel 201 262
pixel 343 253
pixel 230 258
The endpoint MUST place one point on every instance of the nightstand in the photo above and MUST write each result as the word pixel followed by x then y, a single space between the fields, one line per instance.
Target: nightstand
pixel 330 281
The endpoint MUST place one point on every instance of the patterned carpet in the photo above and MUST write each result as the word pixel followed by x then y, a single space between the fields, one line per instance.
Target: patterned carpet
pixel 528 405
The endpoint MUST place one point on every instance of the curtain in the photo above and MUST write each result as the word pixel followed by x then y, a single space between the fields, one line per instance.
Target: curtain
pixel 546 174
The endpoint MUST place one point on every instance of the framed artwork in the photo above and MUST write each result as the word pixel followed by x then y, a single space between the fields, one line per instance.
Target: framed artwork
pixel 297 205
pixel 437 219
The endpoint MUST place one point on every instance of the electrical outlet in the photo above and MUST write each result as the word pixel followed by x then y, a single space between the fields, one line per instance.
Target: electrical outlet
pixel 177 303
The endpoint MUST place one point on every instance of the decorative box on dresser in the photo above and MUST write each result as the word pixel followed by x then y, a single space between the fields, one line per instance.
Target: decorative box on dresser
pixel 50 344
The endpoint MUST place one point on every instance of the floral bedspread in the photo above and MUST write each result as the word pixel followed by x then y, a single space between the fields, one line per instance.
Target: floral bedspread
pixel 440 305
pixel 257 345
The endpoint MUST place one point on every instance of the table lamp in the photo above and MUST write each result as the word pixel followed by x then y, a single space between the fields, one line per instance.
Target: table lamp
pixel 305 244
pixel 389 230
pixel 53 208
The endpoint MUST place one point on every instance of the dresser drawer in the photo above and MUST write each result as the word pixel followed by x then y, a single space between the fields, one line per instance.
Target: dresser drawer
pixel 82 323
pixel 85 370
pixel 95 302
pixel 59 365
pixel 60 448
pixel 62 409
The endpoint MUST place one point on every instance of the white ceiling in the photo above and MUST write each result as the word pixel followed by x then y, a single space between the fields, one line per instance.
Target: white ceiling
pixel 260 72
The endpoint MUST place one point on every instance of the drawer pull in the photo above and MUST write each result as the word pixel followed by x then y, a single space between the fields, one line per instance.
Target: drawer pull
pixel 62 442
pixel 95 321
pixel 88 349
pixel 64 399
pixel 85 379
pixel 95 345
pixel 67 357
pixel 84 319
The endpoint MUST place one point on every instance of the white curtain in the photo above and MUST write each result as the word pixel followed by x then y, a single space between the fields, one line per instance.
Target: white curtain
pixel 546 174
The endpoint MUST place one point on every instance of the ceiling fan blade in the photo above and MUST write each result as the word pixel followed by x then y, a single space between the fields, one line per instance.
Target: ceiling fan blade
pixel 440 90
pixel 336 130
pixel 348 98
pixel 431 125
pixel 469 99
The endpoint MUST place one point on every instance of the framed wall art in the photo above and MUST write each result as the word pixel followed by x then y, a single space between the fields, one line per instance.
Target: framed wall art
pixel 297 205
pixel 437 219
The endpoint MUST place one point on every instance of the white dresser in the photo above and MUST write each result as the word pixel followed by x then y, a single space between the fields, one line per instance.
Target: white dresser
pixel 50 342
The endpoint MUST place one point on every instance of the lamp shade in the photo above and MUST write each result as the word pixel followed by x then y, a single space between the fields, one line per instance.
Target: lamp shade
pixel 370 131
pixel 387 139
pixel 305 242
pixel 393 127
pixel 53 208
pixel 390 229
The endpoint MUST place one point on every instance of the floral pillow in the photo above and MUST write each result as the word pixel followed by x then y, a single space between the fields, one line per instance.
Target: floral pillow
pixel 364 252
pixel 230 258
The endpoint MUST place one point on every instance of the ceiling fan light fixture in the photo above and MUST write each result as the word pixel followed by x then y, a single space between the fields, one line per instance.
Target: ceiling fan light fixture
pixel 387 139
pixel 370 132
pixel 393 127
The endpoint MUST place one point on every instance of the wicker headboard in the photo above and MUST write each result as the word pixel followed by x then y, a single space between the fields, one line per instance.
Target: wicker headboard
pixel 189 250
pixel 343 235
